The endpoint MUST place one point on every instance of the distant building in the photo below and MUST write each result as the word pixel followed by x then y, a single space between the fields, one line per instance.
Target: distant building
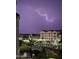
pixel 17 23
pixel 26 36
pixel 50 36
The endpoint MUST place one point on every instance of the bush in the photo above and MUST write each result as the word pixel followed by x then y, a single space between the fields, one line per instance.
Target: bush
pixel 24 48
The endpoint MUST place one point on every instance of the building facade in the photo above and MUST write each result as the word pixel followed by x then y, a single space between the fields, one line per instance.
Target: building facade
pixel 50 36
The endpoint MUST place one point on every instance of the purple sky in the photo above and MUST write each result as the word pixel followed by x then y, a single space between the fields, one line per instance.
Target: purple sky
pixel 37 15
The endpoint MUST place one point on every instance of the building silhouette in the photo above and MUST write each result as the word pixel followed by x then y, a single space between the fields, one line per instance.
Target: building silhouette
pixel 17 32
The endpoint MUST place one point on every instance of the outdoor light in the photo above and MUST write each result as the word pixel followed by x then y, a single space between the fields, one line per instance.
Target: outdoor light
pixel 51 58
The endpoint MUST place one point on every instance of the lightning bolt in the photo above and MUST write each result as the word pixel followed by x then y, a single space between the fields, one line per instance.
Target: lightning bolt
pixel 44 15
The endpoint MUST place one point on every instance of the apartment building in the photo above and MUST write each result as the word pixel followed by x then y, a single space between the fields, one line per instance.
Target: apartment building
pixel 50 36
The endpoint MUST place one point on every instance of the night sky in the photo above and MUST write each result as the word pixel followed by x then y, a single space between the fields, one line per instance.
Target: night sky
pixel 38 15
